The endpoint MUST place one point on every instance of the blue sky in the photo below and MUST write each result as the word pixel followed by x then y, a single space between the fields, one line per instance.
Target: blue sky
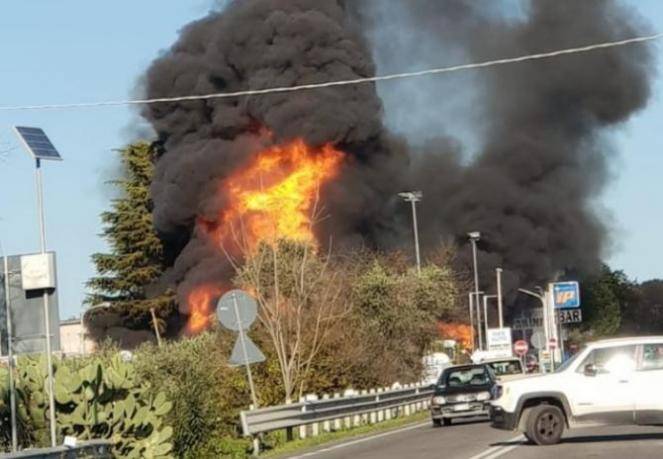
pixel 77 50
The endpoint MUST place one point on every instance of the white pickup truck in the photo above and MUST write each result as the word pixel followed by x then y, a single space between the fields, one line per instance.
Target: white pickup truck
pixel 610 382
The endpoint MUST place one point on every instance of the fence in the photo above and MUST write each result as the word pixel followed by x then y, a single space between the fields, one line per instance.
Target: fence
pixel 312 415
pixel 100 449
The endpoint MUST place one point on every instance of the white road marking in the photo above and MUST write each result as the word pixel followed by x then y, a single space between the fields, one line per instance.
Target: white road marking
pixel 498 451
pixel 360 440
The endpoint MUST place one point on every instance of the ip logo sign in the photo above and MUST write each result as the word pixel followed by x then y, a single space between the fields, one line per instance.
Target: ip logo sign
pixel 566 295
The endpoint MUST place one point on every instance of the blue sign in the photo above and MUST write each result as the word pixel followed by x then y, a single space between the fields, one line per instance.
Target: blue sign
pixel 566 295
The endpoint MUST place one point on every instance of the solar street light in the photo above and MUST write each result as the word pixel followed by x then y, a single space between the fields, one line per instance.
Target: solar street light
pixel 39 146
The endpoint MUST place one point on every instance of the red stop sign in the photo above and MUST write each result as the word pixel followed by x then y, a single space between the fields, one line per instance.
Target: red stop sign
pixel 520 347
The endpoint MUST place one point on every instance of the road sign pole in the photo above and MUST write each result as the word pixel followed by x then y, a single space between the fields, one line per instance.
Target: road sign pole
pixel 242 342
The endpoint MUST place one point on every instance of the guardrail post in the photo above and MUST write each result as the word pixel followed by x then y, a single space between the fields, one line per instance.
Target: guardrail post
pixel 315 427
pixel 372 417
pixel 337 422
pixel 406 408
pixel 347 421
pixel 326 425
pixel 380 412
pixel 364 416
pixel 302 428
pixel 388 413
pixel 417 406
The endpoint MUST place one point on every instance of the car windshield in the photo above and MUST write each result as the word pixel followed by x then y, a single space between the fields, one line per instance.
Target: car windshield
pixel 569 361
pixel 506 367
pixel 466 377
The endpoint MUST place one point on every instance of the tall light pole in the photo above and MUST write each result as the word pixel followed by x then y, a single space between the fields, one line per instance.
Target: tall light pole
pixel 474 236
pixel 10 352
pixel 500 312
pixel 414 197
pixel 40 148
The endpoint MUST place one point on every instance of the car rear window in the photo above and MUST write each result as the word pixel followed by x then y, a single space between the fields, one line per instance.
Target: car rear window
pixel 467 377
pixel 506 367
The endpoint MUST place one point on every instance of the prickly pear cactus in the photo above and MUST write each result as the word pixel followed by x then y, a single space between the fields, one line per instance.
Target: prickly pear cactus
pixel 100 401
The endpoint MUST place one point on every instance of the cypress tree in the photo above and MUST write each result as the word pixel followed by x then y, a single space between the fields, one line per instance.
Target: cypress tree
pixel 136 258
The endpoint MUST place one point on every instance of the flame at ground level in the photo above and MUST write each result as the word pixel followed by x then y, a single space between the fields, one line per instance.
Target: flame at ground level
pixel 276 195
pixel 201 308
pixel 462 333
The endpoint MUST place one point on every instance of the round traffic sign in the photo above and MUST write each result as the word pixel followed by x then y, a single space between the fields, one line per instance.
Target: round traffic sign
pixel 538 339
pixel 552 343
pixel 236 310
pixel 520 347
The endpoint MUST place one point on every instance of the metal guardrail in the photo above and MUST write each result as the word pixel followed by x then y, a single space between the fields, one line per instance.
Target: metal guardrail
pixel 313 411
pixel 100 449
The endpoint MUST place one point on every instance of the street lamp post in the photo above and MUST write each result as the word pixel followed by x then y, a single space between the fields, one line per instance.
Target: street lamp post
pixel 414 197
pixel 40 147
pixel 474 236
pixel 500 311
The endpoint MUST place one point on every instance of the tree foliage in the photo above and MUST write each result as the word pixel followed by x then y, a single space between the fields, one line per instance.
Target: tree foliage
pixel 301 300
pixel 135 260
pixel 396 311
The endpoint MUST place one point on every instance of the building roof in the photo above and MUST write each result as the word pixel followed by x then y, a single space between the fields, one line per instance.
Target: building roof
pixel 72 321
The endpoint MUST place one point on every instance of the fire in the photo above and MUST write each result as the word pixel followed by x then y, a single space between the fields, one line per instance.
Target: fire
pixel 201 307
pixel 274 196
pixel 459 332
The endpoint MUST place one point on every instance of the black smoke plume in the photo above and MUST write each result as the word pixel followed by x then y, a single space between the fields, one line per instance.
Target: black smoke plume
pixel 540 129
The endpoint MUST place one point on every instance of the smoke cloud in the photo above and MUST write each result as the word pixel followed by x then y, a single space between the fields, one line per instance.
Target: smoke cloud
pixel 517 152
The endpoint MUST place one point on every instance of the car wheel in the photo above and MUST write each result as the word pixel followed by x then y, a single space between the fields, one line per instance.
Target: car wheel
pixel 437 423
pixel 545 425
pixel 447 421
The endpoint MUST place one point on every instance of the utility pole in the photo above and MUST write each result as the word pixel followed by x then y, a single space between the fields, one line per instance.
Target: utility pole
pixel 474 236
pixel 414 197
pixel 500 312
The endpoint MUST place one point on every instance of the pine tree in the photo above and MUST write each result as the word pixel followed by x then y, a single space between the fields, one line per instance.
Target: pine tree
pixel 136 260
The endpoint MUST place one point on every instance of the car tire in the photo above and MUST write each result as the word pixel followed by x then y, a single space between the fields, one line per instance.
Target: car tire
pixel 545 425
pixel 437 422
pixel 447 421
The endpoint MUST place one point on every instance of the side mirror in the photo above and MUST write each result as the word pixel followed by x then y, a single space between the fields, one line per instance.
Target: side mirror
pixel 591 370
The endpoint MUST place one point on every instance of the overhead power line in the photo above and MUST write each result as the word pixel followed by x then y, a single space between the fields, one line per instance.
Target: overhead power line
pixel 329 84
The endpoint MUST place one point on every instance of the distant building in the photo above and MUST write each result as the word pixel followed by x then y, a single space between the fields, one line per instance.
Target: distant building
pixel 74 338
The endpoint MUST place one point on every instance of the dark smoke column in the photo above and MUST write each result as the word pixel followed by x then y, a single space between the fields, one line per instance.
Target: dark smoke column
pixel 542 127
pixel 255 44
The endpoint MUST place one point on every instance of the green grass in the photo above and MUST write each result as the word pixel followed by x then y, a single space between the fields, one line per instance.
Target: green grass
pixel 324 438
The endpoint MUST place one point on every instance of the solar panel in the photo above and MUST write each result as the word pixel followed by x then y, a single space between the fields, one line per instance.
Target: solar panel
pixel 37 143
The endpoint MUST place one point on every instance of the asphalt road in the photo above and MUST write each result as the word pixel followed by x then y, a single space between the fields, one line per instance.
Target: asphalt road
pixel 476 440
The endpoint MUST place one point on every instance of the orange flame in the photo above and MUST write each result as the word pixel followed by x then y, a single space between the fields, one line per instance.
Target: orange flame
pixel 201 308
pixel 459 332
pixel 274 196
